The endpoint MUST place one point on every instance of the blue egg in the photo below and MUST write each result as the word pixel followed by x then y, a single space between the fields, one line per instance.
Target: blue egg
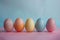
pixel 39 25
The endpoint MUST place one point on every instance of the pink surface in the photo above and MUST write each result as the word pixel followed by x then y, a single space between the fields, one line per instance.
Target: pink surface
pixel 30 35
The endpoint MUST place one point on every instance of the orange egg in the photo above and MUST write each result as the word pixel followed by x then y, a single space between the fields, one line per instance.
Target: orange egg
pixel 19 25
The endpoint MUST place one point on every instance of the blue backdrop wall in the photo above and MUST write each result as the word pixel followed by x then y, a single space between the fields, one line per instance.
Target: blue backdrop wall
pixel 30 9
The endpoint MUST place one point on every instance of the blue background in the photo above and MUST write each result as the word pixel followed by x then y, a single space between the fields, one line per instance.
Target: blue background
pixel 30 9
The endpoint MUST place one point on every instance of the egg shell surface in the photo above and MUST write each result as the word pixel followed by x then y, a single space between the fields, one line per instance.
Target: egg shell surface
pixel 39 25
pixel 51 25
pixel 29 25
pixel 8 25
pixel 19 25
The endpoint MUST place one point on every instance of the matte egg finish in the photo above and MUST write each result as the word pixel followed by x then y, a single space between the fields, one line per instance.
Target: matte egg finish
pixel 39 25
pixel 50 26
pixel 29 25
pixel 19 25
pixel 8 25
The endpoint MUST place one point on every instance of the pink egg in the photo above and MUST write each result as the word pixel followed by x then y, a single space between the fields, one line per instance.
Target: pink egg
pixel 51 25
pixel 8 25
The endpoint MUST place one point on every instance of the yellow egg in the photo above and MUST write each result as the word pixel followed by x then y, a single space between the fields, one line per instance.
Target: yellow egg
pixel 29 25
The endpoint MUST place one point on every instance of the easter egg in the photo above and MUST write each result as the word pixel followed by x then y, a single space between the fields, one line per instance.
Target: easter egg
pixel 19 25
pixel 51 25
pixel 8 25
pixel 39 25
pixel 29 25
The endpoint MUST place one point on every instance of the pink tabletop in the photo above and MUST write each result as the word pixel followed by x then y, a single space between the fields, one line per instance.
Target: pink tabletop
pixel 30 35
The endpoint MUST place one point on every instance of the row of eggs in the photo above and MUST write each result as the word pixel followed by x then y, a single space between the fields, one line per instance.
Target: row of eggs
pixel 29 25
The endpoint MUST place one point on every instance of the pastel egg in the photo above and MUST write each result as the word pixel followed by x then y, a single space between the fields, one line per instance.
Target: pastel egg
pixel 19 25
pixel 39 25
pixel 8 25
pixel 51 25
pixel 29 25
